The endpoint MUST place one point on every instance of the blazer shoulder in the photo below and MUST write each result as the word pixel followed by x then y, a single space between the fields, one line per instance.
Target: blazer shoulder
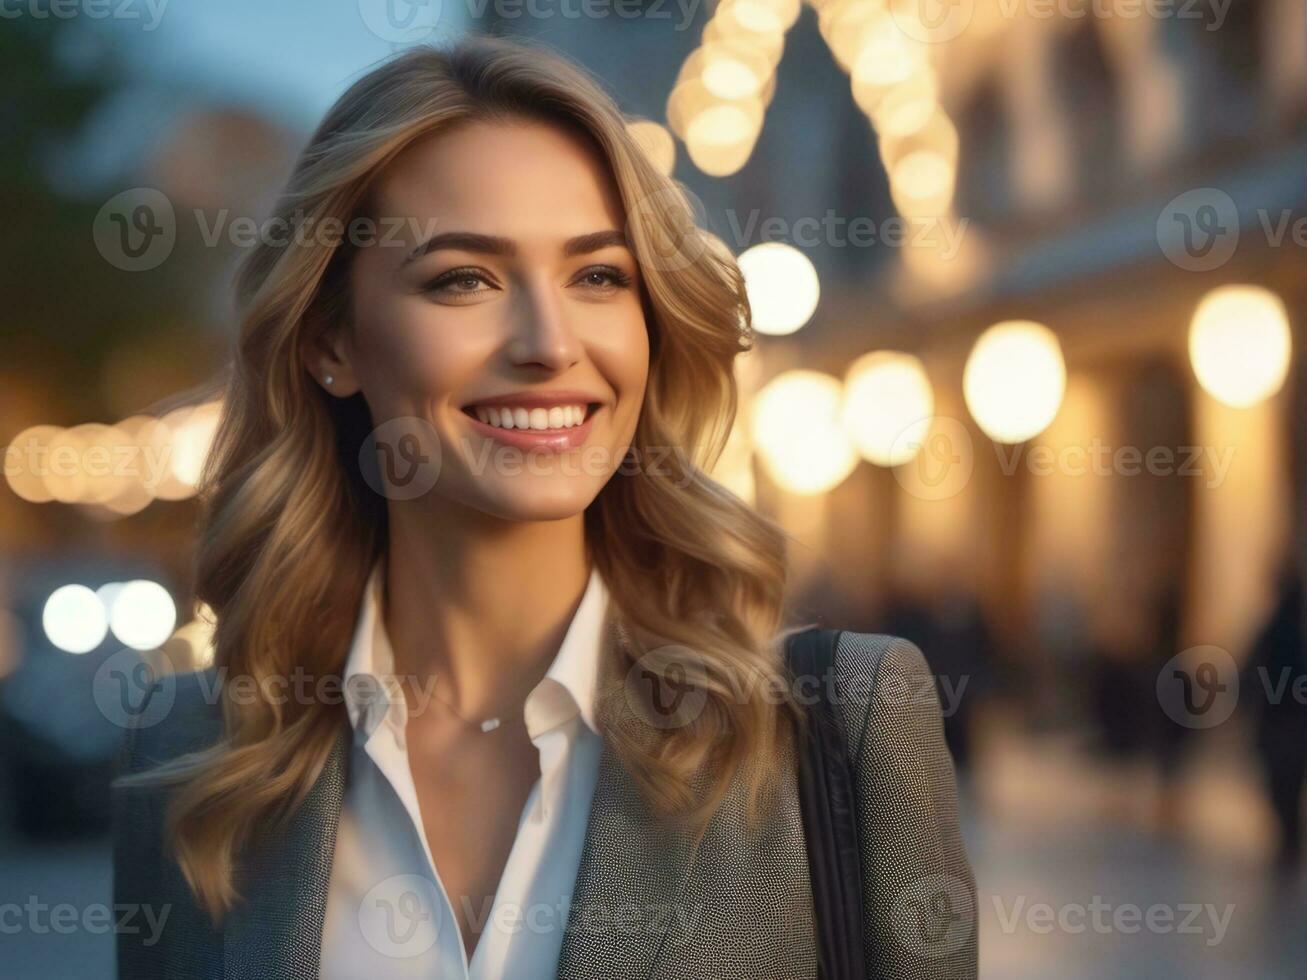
pixel 860 656
pixel 174 715
pixel 919 891
pixel 886 689
pixel 177 714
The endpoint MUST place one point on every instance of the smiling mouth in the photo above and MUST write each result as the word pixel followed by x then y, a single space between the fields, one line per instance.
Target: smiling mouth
pixel 529 419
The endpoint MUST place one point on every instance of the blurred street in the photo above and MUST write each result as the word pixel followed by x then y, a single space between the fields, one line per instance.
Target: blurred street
pixel 1070 831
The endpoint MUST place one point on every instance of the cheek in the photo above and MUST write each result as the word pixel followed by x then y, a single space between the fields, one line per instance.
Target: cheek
pixel 623 357
pixel 414 358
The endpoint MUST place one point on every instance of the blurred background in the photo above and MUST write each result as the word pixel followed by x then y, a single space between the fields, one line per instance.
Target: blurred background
pixel 1029 276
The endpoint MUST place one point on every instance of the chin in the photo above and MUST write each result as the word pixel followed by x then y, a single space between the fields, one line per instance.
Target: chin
pixel 543 499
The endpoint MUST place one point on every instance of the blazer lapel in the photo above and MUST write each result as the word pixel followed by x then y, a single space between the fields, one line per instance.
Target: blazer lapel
pixel 651 901
pixel 277 930
pixel 632 872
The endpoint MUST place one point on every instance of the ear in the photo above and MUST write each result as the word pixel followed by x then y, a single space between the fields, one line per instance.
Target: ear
pixel 326 356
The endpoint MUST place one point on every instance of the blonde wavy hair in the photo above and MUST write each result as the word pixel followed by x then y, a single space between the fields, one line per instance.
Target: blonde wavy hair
pixel 290 528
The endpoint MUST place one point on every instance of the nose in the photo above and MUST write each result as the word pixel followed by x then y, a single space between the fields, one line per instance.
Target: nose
pixel 542 335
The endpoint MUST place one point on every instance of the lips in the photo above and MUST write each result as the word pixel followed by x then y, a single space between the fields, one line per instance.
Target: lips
pixel 545 398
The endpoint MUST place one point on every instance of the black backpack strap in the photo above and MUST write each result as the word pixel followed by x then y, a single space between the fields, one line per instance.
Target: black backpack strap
pixel 829 808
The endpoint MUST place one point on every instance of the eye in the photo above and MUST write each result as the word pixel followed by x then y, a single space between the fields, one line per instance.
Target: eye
pixel 447 282
pixel 605 277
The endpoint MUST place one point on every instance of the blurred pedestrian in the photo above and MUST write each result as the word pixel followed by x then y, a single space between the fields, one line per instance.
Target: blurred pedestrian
pixel 1274 689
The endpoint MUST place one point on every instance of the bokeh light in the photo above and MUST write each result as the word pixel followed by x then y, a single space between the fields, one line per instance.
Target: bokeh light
pixel 1239 344
pixel 888 404
pixel 26 458
pixel 74 619
pixel 142 615
pixel 903 108
pixel 799 433
pixel 190 433
pixel 783 287
pixel 1014 380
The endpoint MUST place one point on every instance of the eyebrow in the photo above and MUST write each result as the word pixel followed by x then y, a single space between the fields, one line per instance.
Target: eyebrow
pixel 468 241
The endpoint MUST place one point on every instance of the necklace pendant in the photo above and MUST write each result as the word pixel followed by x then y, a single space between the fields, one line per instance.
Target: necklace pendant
pixel 490 724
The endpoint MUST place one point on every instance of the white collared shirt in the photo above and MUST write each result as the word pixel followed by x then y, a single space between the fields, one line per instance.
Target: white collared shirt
pixel 388 914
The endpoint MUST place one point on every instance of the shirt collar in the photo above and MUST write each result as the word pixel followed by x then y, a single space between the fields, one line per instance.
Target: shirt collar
pixel 576 666
pixel 373 694
pixel 371 691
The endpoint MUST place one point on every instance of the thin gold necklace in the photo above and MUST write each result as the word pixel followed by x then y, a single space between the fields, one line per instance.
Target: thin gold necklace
pixel 483 725
pixel 486 725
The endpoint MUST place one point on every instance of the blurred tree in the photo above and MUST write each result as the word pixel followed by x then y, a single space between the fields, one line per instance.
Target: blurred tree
pixel 65 307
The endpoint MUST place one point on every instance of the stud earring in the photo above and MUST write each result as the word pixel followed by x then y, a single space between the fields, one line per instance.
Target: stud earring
pixel 328 379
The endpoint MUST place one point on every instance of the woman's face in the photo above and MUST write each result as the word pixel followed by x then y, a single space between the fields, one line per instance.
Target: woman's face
pixel 509 321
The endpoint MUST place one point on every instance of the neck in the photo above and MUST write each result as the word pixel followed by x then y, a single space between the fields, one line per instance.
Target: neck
pixel 482 602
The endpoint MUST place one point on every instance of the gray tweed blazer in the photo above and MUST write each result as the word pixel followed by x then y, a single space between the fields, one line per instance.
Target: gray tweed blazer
pixel 739 905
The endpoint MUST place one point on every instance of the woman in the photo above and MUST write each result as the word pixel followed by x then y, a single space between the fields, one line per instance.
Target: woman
pixel 498 687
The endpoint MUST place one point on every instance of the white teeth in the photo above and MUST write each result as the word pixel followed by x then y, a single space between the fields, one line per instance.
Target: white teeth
pixel 505 417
